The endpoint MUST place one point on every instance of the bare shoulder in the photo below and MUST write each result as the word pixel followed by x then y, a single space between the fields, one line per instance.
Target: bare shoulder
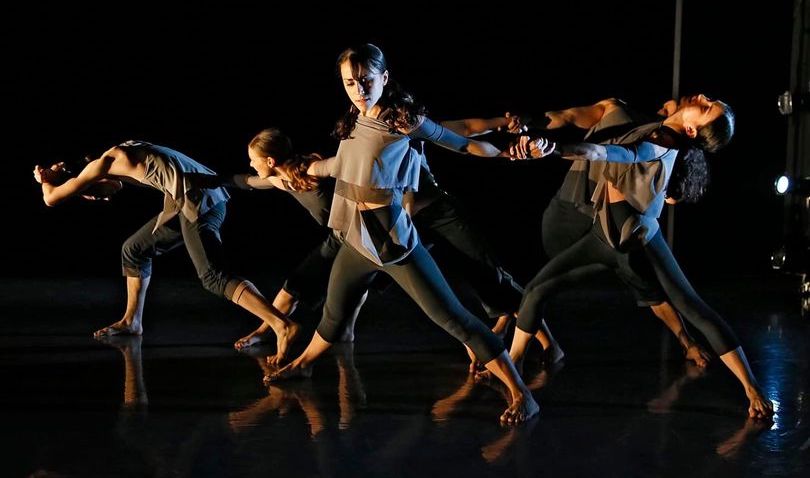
pixel 610 104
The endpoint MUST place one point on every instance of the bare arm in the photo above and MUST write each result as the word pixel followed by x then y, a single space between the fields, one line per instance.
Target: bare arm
pixel 477 126
pixel 583 117
pixel 95 171
pixel 322 168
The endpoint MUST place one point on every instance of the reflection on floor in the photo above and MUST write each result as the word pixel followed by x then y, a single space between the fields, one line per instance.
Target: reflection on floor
pixel 179 401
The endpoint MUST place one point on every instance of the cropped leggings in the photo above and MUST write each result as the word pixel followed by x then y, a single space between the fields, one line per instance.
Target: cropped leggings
pixel 421 279
pixel 202 241
pixel 591 254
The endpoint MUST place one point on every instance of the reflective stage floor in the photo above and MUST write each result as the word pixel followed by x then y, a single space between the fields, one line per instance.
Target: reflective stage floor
pixel 180 401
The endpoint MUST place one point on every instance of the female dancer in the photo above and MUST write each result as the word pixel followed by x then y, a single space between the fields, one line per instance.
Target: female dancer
pixel 192 215
pixel 377 162
pixel 632 185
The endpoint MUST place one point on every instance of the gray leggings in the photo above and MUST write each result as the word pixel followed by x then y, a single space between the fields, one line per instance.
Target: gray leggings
pixel 202 241
pixel 421 279
pixel 591 254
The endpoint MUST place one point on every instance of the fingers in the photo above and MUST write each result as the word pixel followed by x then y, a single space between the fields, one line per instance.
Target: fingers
pixel 38 174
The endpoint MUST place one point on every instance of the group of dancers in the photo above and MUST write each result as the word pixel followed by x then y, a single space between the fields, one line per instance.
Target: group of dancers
pixel 382 205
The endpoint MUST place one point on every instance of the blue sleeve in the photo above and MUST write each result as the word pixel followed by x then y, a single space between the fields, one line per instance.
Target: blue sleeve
pixel 634 153
pixel 440 135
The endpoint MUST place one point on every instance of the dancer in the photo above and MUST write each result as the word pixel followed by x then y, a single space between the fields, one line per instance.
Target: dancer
pixel 628 198
pixel 436 214
pixel 192 215
pixel 569 215
pixel 377 162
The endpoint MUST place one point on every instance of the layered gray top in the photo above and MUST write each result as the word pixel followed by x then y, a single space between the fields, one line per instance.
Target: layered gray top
pixel 376 165
pixel 179 177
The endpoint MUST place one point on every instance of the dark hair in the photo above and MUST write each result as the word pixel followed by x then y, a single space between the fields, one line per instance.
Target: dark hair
pixel 718 133
pixel 272 142
pixel 690 175
pixel 403 110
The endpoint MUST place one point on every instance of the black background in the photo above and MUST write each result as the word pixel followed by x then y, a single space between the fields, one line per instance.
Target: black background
pixel 204 80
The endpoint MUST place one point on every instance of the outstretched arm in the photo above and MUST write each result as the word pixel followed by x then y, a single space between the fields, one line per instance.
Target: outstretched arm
pixel 95 171
pixel 527 147
pixel 583 117
pixel 478 126
pixel 253 181
pixel 445 137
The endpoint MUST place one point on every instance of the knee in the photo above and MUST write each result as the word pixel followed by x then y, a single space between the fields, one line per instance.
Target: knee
pixel 535 295
pixel 214 281
pixel 131 251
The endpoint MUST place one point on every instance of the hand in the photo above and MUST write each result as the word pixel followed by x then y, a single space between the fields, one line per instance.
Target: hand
pixel 668 108
pixel 515 125
pixel 49 175
pixel 531 148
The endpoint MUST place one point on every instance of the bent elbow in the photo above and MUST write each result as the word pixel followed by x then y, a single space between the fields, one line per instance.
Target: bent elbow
pixel 50 201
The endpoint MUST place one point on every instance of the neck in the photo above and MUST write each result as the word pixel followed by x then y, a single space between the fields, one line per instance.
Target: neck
pixel 282 174
pixel 667 136
pixel 675 123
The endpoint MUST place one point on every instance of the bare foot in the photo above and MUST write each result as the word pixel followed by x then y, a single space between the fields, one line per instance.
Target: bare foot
pixel 698 354
pixel 284 339
pixel 522 408
pixel 258 336
pixel 122 327
pixel 291 370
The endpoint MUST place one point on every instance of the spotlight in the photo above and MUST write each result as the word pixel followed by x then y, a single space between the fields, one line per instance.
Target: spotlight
pixel 786 184
pixel 785 103
pixel 779 258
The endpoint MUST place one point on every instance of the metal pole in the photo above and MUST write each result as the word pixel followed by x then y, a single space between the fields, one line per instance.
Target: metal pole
pixel 676 77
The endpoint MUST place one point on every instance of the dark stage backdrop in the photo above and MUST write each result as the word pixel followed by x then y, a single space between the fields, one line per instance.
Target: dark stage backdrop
pixel 78 81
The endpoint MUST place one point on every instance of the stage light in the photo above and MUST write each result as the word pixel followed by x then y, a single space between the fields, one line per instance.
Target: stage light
pixel 779 258
pixel 785 103
pixel 797 186
pixel 782 184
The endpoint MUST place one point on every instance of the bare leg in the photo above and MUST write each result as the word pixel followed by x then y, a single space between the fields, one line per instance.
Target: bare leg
pixel 502 325
pixel 131 323
pixel 285 304
pixel 249 298
pixel 759 406
pixel 523 407
pixel 499 329
pixel 672 320
pixel 520 345
pixel 302 365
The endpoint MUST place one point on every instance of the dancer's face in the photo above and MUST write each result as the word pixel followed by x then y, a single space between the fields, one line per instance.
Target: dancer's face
pixel 363 87
pixel 264 165
pixel 700 110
